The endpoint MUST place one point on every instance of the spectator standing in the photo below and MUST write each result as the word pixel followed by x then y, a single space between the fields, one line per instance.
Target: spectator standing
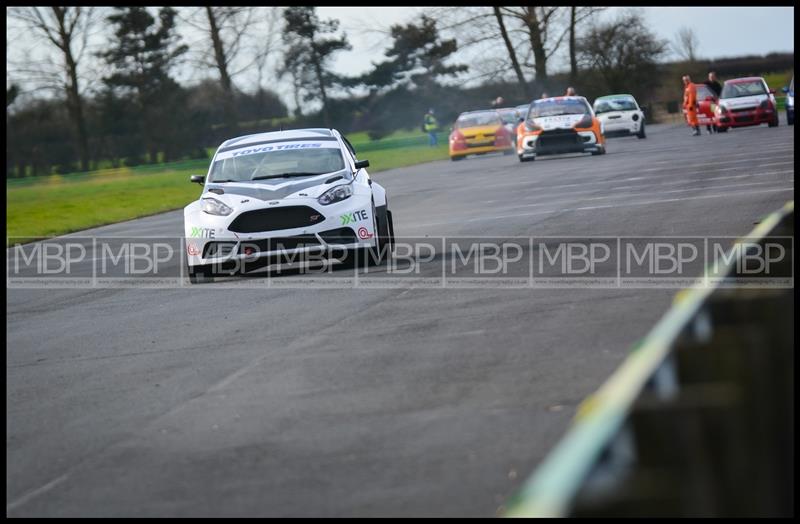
pixel 430 126
pixel 716 88
pixel 570 91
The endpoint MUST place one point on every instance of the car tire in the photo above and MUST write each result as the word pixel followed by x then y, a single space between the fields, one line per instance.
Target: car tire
pixel 722 130
pixel 775 122
pixel 523 159
pixel 789 119
pixel 391 231
pixel 200 274
pixel 367 256
pixel 456 158
pixel 602 151
pixel 641 134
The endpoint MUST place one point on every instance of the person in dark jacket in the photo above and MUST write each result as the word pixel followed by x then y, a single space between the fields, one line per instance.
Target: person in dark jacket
pixel 714 85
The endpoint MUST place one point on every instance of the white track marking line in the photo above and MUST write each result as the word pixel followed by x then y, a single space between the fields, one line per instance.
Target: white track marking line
pixel 643 194
pixel 667 183
pixel 36 492
pixel 626 204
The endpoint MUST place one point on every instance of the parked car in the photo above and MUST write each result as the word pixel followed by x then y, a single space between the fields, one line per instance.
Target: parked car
pixel 479 132
pixel 790 102
pixel 746 102
pixel 620 115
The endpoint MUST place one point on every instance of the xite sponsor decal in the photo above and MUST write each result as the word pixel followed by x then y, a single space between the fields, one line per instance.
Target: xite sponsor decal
pixel 355 216
pixel 202 232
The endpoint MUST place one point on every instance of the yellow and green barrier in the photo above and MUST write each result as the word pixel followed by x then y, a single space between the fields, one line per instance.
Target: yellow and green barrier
pixel 698 420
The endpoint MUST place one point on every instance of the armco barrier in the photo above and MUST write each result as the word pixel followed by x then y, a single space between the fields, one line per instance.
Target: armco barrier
pixel 698 420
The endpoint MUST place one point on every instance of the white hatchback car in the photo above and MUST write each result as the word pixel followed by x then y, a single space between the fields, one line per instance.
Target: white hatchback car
pixel 285 195
pixel 620 115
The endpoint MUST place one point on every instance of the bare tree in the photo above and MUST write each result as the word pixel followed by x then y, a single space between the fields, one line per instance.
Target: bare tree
pixel 544 30
pixel 68 30
pixel 685 44
pixel 577 15
pixel 236 39
pixel 511 52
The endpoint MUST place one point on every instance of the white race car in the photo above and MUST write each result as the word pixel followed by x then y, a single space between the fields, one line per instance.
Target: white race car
pixel 283 196
pixel 620 115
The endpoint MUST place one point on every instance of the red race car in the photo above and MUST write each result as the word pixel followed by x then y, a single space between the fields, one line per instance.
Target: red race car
pixel 746 102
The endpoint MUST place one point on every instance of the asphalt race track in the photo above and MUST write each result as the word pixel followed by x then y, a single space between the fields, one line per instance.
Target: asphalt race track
pixel 219 400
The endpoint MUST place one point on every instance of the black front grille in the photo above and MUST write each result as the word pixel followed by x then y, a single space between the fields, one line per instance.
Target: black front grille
pixel 559 139
pixel 218 249
pixel 275 219
pixel 278 244
pixel 745 118
pixel 343 235
pixel 741 109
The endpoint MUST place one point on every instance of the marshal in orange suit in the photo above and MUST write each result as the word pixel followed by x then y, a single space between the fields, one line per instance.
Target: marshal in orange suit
pixel 690 104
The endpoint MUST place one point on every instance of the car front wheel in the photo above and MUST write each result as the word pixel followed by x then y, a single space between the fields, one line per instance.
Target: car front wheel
pixel 200 274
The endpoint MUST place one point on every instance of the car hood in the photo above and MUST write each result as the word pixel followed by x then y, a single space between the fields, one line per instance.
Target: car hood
pixel 278 189
pixel 610 114
pixel 744 101
pixel 558 122
pixel 479 130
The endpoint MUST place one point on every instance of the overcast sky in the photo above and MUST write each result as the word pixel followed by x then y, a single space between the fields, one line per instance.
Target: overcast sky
pixel 721 31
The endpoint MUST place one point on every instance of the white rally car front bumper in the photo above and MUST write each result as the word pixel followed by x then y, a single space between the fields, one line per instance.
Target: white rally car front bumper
pixel 306 227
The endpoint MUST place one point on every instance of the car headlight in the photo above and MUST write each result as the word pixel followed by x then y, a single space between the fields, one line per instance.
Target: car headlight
pixel 336 194
pixel 212 206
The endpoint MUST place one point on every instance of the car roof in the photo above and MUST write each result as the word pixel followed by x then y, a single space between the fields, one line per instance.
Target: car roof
pixel 293 134
pixel 608 97
pixel 478 111
pixel 561 98
pixel 743 79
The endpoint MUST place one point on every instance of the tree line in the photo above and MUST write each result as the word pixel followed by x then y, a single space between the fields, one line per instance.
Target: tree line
pixel 136 111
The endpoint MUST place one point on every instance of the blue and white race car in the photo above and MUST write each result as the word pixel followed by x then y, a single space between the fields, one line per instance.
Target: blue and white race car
pixel 283 196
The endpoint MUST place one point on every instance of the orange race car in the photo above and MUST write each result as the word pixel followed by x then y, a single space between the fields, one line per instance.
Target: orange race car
pixel 563 124
pixel 479 132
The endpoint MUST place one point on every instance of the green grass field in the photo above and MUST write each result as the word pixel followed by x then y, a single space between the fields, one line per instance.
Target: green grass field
pixel 57 204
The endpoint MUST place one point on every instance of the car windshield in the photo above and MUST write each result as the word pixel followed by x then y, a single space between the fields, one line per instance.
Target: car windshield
pixel 614 104
pixel 245 166
pixel 478 119
pixel 740 89
pixel 555 107
pixel 509 116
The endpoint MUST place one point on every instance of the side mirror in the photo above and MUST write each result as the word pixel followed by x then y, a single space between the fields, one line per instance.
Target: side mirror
pixel 772 91
pixel 197 179
pixel 361 164
pixel 785 89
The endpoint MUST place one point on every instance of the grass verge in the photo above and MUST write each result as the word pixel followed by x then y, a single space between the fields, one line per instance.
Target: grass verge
pixel 58 204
